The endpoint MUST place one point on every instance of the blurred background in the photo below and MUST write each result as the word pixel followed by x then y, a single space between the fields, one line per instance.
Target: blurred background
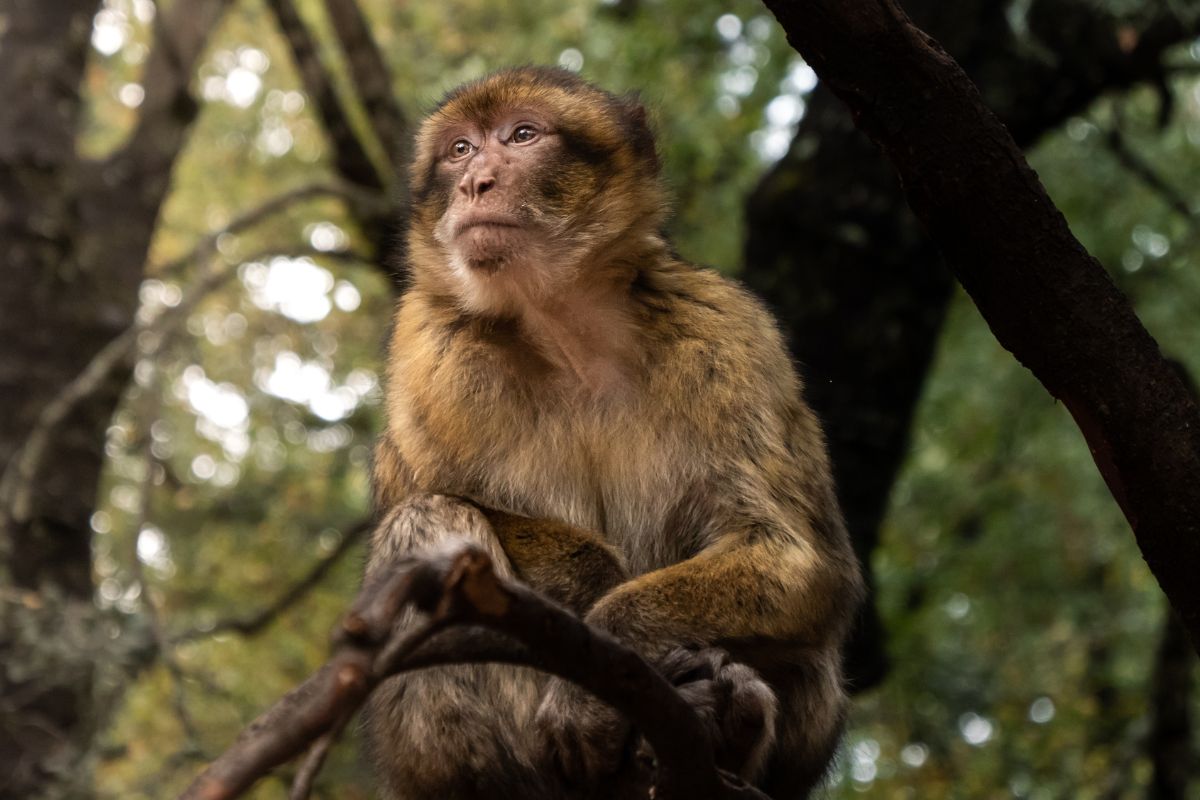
pixel 195 199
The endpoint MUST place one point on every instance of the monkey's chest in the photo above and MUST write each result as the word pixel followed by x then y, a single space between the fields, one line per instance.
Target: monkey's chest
pixel 621 471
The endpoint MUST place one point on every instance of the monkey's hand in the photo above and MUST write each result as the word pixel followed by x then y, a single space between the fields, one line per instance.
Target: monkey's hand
pixel 585 739
pixel 588 741
pixel 736 707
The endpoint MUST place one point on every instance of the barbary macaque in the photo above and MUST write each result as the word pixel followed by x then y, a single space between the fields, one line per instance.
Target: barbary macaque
pixel 619 429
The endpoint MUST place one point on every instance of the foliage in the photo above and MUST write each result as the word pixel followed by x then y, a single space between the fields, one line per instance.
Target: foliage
pixel 1022 621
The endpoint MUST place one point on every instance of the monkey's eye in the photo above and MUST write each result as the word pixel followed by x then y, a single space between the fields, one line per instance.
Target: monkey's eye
pixel 461 148
pixel 523 134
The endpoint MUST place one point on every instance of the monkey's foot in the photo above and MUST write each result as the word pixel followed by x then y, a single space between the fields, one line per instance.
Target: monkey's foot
pixel 737 708
pixel 585 739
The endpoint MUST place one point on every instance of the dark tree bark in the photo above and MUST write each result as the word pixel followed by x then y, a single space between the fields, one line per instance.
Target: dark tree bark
pixel 75 234
pixel 373 80
pixel 350 157
pixel 1172 687
pixel 861 290
pixel 1044 296
pixel 388 125
pixel 1170 741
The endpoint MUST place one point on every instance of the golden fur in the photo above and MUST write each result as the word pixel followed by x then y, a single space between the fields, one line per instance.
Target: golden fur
pixel 593 382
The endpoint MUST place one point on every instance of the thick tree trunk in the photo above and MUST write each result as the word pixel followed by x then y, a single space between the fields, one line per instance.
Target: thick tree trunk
pixel 49 303
pixel 862 291
pixel 1045 298
pixel 74 237
pixel 45 315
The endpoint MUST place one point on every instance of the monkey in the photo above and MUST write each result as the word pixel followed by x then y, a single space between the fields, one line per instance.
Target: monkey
pixel 620 429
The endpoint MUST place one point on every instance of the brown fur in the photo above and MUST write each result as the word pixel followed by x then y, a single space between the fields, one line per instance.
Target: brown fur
pixel 588 380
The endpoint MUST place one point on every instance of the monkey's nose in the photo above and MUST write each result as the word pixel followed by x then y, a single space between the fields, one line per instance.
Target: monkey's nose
pixel 476 183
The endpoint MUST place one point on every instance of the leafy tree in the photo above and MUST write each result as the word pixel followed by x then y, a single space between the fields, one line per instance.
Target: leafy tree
pixel 214 178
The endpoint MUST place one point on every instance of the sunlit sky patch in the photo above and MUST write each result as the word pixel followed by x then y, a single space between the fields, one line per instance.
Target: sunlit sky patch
pixel 975 730
pixel 571 59
pixel 239 76
pixel 310 384
pixel 729 27
pixel 863 757
pixel 110 31
pixel 222 416
pixel 221 403
pixel 783 113
pixel 1041 710
pixel 275 139
pixel 131 95
pixel 914 754
pixel 325 236
pixel 295 287
pixel 152 548
pixel 747 52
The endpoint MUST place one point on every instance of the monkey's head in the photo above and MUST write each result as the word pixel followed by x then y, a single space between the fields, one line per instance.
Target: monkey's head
pixel 530 182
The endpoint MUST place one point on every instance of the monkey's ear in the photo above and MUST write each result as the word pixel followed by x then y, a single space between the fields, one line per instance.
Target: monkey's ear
pixel 637 127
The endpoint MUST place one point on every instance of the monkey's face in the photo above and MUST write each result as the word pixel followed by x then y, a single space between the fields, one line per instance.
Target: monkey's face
pixel 497 179
pixel 527 184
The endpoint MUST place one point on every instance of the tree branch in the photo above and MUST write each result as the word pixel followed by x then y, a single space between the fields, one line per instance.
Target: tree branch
pixel 16 481
pixel 354 196
pixel 147 416
pixel 372 79
pixel 460 591
pixel 349 155
pixel 256 622
pixel 1046 299
pixel 168 108
pixel 832 248
pixel 1140 169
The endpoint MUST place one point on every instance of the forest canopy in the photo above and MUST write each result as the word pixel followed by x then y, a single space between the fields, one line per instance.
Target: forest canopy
pixel 1018 645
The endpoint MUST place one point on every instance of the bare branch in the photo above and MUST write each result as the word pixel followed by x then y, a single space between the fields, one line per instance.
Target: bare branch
pixel 354 196
pixel 16 482
pixel 256 622
pixel 350 156
pixel 372 79
pixel 313 761
pixel 1143 171
pixel 149 413
pixel 457 590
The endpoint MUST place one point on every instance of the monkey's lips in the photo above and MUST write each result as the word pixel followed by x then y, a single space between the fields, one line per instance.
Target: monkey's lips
pixel 473 221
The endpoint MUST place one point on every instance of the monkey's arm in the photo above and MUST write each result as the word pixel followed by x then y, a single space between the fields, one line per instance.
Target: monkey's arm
pixel 757 599
pixel 743 589
pixel 776 585
pixel 570 565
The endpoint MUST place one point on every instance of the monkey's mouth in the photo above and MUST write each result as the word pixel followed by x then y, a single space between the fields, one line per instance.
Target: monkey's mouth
pixel 485 221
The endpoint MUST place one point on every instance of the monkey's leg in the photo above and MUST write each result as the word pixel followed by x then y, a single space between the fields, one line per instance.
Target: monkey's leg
pixel 457 732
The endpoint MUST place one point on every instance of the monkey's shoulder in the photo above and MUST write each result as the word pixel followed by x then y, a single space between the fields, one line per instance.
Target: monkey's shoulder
pixel 433 343
pixel 715 337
